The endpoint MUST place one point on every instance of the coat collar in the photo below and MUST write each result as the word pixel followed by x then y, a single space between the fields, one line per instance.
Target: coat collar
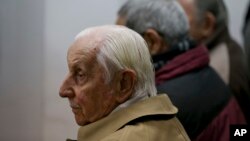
pixel 157 105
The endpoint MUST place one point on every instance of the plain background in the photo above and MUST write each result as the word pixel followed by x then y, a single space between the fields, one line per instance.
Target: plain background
pixel 34 37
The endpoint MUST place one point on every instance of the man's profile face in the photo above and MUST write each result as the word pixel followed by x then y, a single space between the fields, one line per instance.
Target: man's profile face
pixel 89 96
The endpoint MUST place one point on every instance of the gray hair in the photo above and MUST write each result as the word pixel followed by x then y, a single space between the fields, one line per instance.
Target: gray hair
pixel 216 7
pixel 165 16
pixel 120 49
pixel 129 5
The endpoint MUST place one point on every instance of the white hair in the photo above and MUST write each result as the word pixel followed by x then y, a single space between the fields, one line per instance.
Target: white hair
pixel 121 48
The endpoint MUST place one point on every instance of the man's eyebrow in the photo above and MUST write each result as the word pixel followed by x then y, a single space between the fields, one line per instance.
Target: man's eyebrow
pixel 73 66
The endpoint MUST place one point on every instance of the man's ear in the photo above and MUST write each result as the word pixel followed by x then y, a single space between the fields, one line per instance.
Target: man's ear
pixel 126 82
pixel 208 25
pixel 155 42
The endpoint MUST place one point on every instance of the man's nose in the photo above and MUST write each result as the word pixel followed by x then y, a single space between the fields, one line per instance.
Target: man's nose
pixel 68 92
pixel 66 89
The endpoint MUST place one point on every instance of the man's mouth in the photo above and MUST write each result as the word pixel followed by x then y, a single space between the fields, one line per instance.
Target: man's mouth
pixel 74 106
pixel 75 110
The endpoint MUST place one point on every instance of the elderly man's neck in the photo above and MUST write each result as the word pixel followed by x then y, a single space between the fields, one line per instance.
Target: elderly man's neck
pixel 131 101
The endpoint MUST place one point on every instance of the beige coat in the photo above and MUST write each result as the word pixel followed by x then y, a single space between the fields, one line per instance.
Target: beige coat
pixel 152 119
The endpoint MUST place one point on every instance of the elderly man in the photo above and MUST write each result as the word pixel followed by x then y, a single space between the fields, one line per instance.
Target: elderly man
pixel 206 106
pixel 209 24
pixel 111 90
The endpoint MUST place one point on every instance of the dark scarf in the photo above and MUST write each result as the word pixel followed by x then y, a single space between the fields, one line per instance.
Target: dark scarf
pixel 176 49
pixel 190 60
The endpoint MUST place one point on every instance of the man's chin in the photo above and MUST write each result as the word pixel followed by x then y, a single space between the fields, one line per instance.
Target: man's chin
pixel 81 121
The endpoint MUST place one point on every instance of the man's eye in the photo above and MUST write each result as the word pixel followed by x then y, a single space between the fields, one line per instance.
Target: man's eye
pixel 79 76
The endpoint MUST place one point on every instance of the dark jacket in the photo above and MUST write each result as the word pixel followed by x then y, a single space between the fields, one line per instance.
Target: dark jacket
pixel 200 95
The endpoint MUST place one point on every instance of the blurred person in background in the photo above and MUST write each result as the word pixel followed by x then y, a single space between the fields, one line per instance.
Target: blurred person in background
pixel 206 106
pixel 209 24
pixel 111 89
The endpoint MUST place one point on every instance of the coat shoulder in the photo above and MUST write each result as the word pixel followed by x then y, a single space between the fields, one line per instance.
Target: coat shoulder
pixel 160 130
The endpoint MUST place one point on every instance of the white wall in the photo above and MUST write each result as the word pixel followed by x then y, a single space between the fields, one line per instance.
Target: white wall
pixel 64 19
pixel 236 10
pixel 21 70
